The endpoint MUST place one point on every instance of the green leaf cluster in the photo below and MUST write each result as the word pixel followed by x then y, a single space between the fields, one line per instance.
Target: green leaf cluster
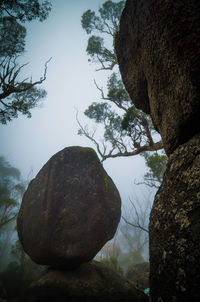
pixel 113 263
pixel 106 22
pixel 98 52
pixel 25 10
pixel 17 96
pixel 156 164
pixel 117 92
pixel 102 113
pixel 22 102
pixel 10 190
pixel 12 37
pixel 98 111
pixel 8 171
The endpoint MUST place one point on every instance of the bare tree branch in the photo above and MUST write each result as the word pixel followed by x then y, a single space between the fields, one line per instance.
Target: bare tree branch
pixel 150 184
pixel 8 75
pixel 140 149
pixel 138 226
pixel 90 137
pixel 108 99
pixel 109 67
pixel 116 143
pixel 3 222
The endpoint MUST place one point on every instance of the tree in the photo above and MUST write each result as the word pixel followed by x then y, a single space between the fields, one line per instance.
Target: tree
pixel 133 236
pixel 156 164
pixel 137 216
pixel 127 130
pixel 10 189
pixel 15 279
pixel 25 10
pixel 16 95
pixel 12 38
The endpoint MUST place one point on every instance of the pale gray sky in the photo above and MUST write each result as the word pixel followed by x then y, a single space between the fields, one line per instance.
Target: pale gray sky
pixel 28 143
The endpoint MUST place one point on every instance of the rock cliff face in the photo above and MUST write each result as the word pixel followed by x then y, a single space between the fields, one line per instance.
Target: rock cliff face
pixel 158 47
pixel 175 228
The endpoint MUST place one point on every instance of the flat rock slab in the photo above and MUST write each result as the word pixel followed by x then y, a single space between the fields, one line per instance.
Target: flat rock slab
pixel 90 282
pixel 69 211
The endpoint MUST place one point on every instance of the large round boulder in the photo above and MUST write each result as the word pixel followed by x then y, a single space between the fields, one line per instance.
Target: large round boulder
pixel 69 211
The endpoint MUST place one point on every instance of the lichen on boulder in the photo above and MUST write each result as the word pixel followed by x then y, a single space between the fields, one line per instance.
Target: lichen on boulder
pixel 69 211
pixel 158 50
pixel 174 228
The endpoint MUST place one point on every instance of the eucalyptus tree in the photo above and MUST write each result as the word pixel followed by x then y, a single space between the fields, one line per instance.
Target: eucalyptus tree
pixel 18 94
pixel 126 130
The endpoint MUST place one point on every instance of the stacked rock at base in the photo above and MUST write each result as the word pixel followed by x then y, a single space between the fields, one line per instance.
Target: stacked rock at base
pixel 139 275
pixel 91 282
pixel 158 50
pixel 69 211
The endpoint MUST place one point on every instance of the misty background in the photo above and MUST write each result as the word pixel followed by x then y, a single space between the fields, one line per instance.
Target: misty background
pixel 28 143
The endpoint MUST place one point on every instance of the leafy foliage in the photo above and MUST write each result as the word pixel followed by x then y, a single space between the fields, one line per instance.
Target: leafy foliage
pixel 16 269
pixel 117 93
pixel 16 95
pixel 106 23
pixel 7 207
pixel 9 192
pixel 156 164
pixel 113 263
pixel 6 170
pixel 12 37
pixel 25 10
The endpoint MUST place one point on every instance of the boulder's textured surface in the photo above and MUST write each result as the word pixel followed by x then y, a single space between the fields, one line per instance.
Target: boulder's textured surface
pixel 139 275
pixel 91 282
pixel 175 228
pixel 69 211
pixel 158 49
